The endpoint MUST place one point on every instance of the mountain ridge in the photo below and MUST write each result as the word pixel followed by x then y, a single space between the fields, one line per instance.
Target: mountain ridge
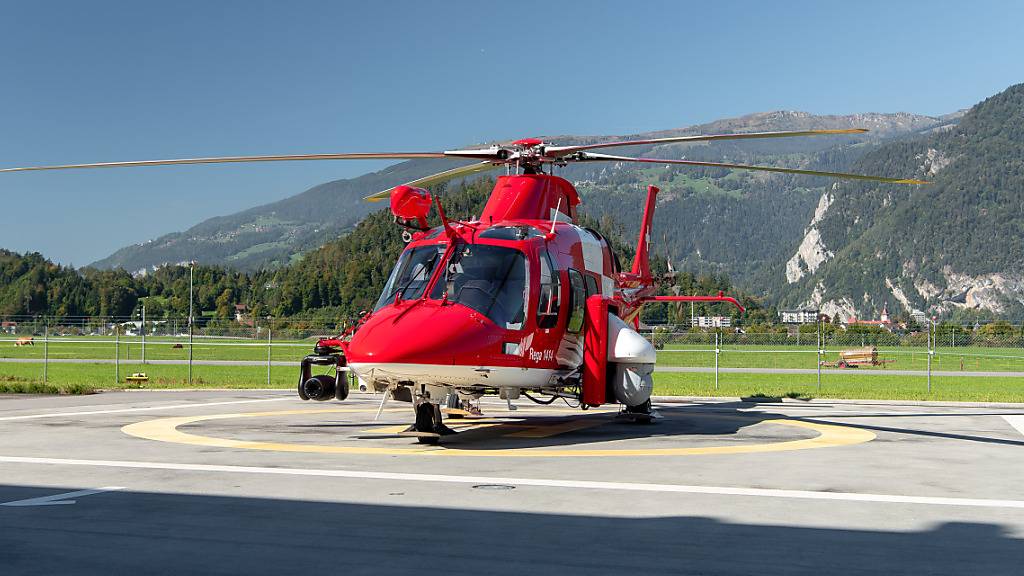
pixel 274 234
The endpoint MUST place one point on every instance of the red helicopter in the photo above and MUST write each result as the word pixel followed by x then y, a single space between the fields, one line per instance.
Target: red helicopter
pixel 521 302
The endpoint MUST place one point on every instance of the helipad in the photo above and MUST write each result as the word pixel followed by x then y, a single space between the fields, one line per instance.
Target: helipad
pixel 518 428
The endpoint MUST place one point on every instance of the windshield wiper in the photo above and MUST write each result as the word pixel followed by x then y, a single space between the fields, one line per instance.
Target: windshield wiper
pixel 400 291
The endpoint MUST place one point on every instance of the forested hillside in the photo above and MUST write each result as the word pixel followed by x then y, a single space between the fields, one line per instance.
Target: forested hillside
pixel 32 285
pixel 346 275
pixel 337 281
pixel 741 224
pixel 953 246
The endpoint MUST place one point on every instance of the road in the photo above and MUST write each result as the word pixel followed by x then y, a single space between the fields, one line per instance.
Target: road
pixel 258 482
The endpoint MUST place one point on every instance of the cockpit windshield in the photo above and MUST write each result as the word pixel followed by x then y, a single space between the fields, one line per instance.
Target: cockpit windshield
pixel 411 274
pixel 489 279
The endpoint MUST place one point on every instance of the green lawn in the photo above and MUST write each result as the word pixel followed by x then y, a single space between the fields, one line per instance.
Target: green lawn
pixel 158 348
pixel 83 378
pixel 849 386
pixel 974 358
pixel 78 378
pixel 688 355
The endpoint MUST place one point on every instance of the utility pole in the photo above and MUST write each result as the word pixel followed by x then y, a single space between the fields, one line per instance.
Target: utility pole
pixel 191 267
pixel 189 353
pixel 46 350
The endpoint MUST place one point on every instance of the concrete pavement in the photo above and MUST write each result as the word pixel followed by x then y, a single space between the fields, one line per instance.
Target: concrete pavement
pixel 259 482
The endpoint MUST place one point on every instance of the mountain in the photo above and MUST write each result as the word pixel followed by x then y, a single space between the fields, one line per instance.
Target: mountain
pixel 272 235
pixel 955 246
pixel 276 234
pixel 744 225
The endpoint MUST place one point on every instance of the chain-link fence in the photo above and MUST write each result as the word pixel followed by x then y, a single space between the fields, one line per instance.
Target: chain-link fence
pixel 247 352
pixel 965 362
pixel 158 352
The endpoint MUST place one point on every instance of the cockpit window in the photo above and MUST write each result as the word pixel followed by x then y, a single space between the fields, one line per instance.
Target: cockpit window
pixel 550 293
pixel 489 279
pixel 411 274
pixel 577 301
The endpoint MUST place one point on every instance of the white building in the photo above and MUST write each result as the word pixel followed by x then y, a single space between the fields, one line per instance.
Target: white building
pixel 802 316
pixel 711 322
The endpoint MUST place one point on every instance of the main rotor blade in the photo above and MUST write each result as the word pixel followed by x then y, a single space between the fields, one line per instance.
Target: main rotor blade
pixel 587 157
pixel 438 178
pixel 229 159
pixel 559 151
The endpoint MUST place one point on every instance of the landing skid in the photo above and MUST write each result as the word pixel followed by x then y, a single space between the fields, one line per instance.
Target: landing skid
pixel 642 414
pixel 428 428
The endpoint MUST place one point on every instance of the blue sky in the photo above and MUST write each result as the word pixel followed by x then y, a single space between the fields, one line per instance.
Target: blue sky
pixel 98 81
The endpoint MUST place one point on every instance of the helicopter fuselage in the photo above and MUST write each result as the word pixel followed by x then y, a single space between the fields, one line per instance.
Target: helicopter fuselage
pixel 496 303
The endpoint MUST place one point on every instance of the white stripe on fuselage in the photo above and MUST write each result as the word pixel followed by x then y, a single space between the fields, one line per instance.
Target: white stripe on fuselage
pixel 455 375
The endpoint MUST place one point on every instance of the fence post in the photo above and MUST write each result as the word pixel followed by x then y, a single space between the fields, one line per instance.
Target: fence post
pixel 190 351
pixel 718 350
pixel 819 347
pixel 270 324
pixel 931 349
pixel 46 348
pixel 117 354
pixel 143 332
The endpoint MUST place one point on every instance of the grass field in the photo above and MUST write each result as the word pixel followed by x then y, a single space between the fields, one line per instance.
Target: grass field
pixel 847 386
pixel 975 358
pixel 158 348
pixel 79 378
pixel 84 378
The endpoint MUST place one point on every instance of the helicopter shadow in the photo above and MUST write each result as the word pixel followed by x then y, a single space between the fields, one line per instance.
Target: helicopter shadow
pixel 681 423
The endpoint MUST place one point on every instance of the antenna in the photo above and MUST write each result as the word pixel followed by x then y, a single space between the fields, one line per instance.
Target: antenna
pixel 449 231
pixel 558 210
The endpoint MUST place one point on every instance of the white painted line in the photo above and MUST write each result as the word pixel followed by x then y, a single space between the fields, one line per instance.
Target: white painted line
pixel 146 409
pixel 547 483
pixel 1015 420
pixel 61 498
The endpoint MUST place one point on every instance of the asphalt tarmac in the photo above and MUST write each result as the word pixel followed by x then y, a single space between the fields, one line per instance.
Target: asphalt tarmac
pixel 259 482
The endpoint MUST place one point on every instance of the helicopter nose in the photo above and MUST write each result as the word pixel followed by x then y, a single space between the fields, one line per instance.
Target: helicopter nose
pixel 424 333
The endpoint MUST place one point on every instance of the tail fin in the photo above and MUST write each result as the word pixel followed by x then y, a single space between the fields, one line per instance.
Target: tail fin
pixel 641 262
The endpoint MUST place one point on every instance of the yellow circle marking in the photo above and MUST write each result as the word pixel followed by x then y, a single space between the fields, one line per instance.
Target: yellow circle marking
pixel 166 430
